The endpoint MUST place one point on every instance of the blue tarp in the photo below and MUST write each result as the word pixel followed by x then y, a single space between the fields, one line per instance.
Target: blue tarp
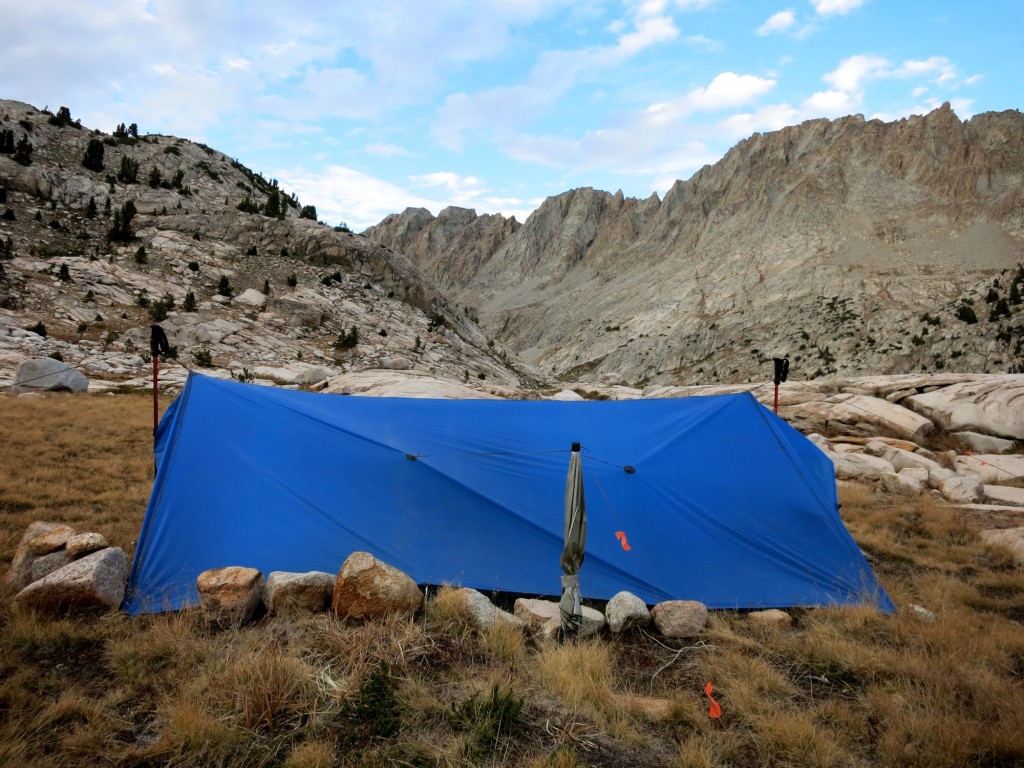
pixel 727 504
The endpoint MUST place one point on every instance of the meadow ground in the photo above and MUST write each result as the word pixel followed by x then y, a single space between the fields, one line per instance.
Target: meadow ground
pixel 844 687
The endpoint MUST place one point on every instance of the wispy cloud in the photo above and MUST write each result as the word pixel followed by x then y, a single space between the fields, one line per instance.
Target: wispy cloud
pixel 836 7
pixel 783 21
pixel 503 111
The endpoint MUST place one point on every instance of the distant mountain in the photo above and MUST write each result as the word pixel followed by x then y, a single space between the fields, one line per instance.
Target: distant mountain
pixel 103 234
pixel 853 246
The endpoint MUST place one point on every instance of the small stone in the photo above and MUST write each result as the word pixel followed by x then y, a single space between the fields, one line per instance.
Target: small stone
pixel 368 588
pixel 19 575
pixel 230 597
pixel 680 618
pixel 1011 538
pixel 626 610
pixel 901 484
pixel 44 565
pixel 96 581
pixel 86 543
pixel 50 374
pixel 772 618
pixel 51 541
pixel 923 613
pixel 298 593
pixel 482 612
pixel 964 489
pixel 545 617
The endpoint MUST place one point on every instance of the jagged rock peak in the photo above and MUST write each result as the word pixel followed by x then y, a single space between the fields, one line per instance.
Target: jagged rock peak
pixel 850 244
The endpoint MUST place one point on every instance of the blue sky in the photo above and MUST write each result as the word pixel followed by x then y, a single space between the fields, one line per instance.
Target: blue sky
pixel 364 109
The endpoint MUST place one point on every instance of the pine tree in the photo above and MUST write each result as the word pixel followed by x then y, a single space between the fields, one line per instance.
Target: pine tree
pixel 190 302
pixel 90 210
pixel 224 286
pixel 93 159
pixel 121 230
pixel 273 205
pixel 23 151
pixel 129 172
pixel 6 142
pixel 154 177
pixel 308 212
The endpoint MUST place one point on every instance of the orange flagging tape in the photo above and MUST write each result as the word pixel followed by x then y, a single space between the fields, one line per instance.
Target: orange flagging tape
pixel 621 536
pixel 715 710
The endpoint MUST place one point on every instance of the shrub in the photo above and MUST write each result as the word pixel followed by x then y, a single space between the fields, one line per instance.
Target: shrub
pixel 6 141
pixel 38 328
pixel 966 313
pixel 375 710
pixel 488 717
pixel 202 358
pixel 56 355
pixel 308 212
pixel 63 274
pixel 190 302
pixel 193 266
pixel 63 119
pixel 89 295
pixel 347 340
pixel 224 286
pixel 266 288
pixel 140 255
pixel 1001 309
pixel 142 299
pixel 248 206
pixel 436 321
pixel 292 280
pixel 155 178
pixel 93 159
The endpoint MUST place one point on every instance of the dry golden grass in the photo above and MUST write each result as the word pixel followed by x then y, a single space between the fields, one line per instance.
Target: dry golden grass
pixel 845 687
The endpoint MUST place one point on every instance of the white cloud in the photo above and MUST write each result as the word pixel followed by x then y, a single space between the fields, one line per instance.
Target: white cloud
pixel 344 194
pixel 462 189
pixel 851 73
pixel 833 7
pixel 778 22
pixel 831 104
pixel 727 90
pixel 939 67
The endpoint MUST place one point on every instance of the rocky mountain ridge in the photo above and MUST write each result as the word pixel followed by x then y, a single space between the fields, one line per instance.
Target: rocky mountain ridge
pixel 853 246
pixel 242 277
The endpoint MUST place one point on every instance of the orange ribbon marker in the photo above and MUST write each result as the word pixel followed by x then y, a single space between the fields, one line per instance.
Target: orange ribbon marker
pixel 621 536
pixel 715 710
